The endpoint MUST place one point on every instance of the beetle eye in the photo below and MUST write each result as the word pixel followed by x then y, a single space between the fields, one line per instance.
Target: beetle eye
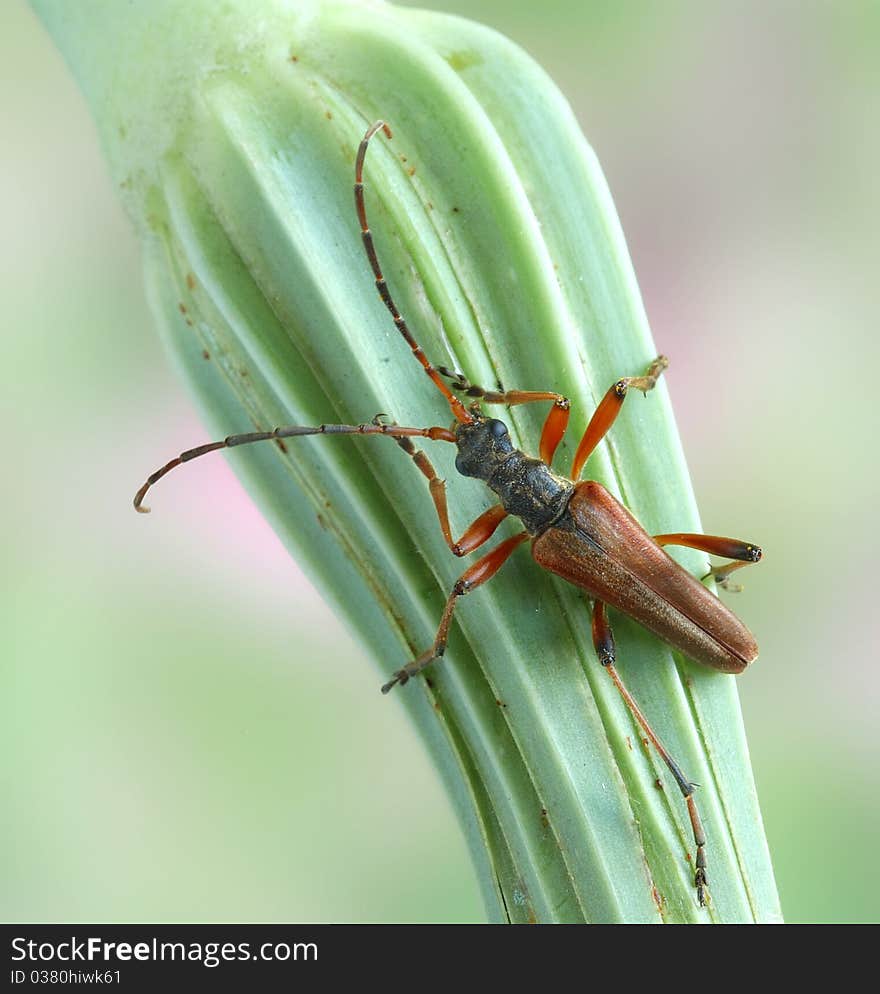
pixel 498 428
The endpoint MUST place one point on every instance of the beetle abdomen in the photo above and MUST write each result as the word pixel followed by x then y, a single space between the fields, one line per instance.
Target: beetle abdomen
pixel 601 548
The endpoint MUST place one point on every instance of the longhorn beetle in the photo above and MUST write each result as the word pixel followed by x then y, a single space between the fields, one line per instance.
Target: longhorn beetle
pixel 576 529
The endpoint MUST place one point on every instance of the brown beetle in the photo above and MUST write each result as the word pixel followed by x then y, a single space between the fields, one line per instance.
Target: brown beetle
pixel 577 530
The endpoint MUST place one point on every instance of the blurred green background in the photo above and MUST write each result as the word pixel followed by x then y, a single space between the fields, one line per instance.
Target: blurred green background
pixel 189 735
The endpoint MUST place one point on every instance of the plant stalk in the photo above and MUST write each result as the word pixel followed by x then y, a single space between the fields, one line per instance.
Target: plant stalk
pixel 232 137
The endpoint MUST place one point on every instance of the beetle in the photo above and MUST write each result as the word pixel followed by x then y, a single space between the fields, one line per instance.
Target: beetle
pixel 577 529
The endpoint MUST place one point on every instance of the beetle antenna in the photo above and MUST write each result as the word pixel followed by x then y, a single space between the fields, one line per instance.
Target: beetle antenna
pixel 458 409
pixel 289 431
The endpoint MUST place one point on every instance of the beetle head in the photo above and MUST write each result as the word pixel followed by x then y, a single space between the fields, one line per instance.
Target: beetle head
pixel 482 444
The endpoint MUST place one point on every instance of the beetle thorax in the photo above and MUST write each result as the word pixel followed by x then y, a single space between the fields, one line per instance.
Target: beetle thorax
pixel 526 487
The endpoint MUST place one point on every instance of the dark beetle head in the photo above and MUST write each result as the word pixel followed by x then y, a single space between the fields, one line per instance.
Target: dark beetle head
pixel 482 445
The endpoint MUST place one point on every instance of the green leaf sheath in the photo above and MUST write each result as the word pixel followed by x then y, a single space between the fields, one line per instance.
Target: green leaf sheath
pixel 232 135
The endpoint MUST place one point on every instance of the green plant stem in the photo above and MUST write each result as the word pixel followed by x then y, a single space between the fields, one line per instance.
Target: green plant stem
pixel 232 138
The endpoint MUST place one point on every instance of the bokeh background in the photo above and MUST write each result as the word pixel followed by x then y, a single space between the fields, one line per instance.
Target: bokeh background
pixel 189 735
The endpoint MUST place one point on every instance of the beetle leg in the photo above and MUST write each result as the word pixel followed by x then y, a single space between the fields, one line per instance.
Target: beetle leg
pixel 743 554
pixel 609 407
pixel 554 426
pixel 603 640
pixel 481 571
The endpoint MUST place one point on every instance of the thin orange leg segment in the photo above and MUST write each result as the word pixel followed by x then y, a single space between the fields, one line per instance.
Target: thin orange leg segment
pixel 554 429
pixel 743 553
pixel 608 409
pixel 475 576
pixel 603 640
pixel 480 530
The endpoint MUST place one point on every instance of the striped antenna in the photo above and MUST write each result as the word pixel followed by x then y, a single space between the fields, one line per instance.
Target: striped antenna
pixel 378 427
pixel 458 409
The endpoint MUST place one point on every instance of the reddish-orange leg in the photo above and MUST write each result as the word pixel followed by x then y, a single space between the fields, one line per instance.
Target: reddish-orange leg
pixel 603 640
pixel 475 576
pixel 743 554
pixel 608 409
